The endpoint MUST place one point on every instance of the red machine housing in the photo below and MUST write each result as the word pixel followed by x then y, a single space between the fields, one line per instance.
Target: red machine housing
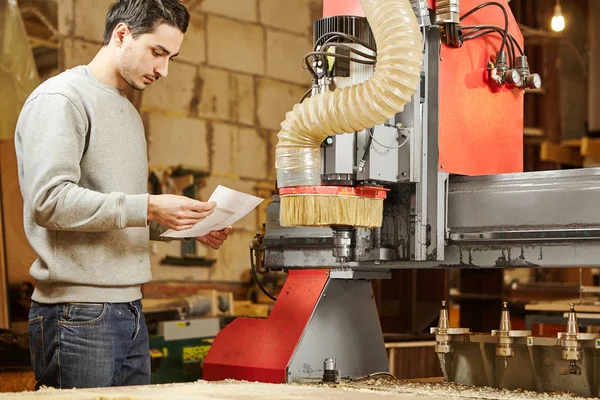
pixel 261 349
pixel 480 124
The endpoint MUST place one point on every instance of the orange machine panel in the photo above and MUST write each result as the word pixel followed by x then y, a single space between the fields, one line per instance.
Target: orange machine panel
pixel 480 124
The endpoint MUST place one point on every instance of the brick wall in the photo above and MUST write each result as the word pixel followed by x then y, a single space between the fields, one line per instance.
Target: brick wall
pixel 219 109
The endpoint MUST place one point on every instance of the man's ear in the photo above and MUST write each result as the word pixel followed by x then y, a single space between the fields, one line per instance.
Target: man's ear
pixel 120 32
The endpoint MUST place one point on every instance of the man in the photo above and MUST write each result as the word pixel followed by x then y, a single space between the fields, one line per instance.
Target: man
pixel 83 171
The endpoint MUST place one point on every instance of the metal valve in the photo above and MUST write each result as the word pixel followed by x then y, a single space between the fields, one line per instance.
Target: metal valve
pixel 528 80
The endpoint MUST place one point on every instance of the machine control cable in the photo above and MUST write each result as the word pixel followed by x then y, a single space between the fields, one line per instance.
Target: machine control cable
pixel 256 280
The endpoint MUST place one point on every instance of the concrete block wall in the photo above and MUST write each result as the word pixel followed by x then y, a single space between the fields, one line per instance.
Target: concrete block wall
pixel 238 73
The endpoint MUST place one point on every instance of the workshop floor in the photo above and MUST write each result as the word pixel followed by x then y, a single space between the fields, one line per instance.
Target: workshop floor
pixel 367 390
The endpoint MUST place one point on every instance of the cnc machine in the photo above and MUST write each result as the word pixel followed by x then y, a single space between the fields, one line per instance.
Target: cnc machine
pixel 451 163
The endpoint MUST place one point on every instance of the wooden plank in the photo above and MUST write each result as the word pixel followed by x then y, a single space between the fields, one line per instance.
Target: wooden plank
pixel 571 143
pixel 553 152
pixel 533 132
pixel 562 307
pixel 590 147
pixel 535 91
pixel 533 140
pixel 4 322
pixel 16 381
pixel 19 254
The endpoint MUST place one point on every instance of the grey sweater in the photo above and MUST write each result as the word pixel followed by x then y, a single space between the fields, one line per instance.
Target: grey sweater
pixel 83 170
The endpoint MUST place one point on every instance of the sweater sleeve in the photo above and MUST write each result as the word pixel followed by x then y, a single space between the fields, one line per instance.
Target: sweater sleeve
pixel 51 135
pixel 156 230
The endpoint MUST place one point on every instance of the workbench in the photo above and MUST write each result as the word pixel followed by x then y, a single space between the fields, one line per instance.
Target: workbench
pixel 556 313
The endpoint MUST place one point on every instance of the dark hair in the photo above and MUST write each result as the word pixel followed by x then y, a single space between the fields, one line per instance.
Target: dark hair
pixel 143 16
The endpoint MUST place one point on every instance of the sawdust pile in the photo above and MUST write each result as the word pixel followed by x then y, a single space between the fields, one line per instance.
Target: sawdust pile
pixel 371 389
pixel 450 390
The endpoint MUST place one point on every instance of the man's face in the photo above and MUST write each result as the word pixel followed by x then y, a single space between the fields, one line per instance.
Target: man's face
pixel 143 60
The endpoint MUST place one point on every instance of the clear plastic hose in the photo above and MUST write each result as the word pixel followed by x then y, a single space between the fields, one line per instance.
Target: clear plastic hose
pixel 357 107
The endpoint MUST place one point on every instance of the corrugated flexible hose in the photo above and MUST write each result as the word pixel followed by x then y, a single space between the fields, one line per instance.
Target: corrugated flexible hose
pixel 357 107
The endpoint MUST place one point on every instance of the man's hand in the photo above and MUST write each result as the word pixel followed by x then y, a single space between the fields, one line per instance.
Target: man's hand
pixel 216 238
pixel 177 212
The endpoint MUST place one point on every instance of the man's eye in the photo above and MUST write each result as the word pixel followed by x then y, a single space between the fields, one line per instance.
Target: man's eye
pixel 156 53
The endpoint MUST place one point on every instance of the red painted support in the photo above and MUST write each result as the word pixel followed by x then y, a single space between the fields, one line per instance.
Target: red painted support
pixel 261 349
pixel 480 124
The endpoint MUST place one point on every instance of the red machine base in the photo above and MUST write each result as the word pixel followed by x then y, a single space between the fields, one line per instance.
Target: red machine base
pixel 261 349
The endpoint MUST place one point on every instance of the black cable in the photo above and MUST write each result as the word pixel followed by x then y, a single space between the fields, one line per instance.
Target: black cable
pixel 305 95
pixel 365 156
pixel 456 35
pixel 349 49
pixel 325 64
pixel 345 36
pixel 334 55
pixel 492 3
pixel 330 37
pixel 497 28
pixel 482 32
pixel 309 68
pixel 452 35
pixel 485 29
pixel 255 277
pixel 363 377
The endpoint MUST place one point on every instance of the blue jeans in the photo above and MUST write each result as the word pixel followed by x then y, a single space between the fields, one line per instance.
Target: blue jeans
pixel 86 345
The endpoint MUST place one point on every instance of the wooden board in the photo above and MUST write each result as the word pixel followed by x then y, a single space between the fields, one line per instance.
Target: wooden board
pixel 16 381
pixel 19 254
pixel 553 152
pixel 562 307
pixel 590 147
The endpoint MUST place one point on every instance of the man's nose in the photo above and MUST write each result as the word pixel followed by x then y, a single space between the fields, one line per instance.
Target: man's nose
pixel 163 69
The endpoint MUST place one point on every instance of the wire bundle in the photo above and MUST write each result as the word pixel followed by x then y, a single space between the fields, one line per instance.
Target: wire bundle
pixel 474 31
pixel 320 53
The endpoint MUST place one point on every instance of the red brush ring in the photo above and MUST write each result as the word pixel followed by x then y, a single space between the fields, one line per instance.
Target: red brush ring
pixel 372 192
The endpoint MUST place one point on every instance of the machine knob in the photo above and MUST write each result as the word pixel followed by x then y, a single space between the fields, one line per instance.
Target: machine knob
pixel 534 81
pixel 512 77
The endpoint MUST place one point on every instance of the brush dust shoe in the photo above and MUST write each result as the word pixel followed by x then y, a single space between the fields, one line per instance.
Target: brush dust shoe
pixel 360 207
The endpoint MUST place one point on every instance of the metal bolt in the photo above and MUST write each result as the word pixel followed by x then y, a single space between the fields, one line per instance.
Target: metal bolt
pixel 324 294
pixel 441 58
pixel 442 166
pixel 404 173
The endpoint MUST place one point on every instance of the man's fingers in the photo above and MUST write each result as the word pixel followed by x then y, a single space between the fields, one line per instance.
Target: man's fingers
pixel 227 231
pixel 221 235
pixel 197 215
pixel 182 227
pixel 207 240
pixel 215 240
pixel 202 207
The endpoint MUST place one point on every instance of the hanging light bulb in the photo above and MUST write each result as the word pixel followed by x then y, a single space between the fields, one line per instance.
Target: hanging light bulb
pixel 558 21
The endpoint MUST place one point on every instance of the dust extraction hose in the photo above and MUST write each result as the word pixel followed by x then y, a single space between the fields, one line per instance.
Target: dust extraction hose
pixel 357 107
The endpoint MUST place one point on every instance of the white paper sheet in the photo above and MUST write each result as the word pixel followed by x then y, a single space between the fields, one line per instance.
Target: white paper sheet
pixel 231 207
